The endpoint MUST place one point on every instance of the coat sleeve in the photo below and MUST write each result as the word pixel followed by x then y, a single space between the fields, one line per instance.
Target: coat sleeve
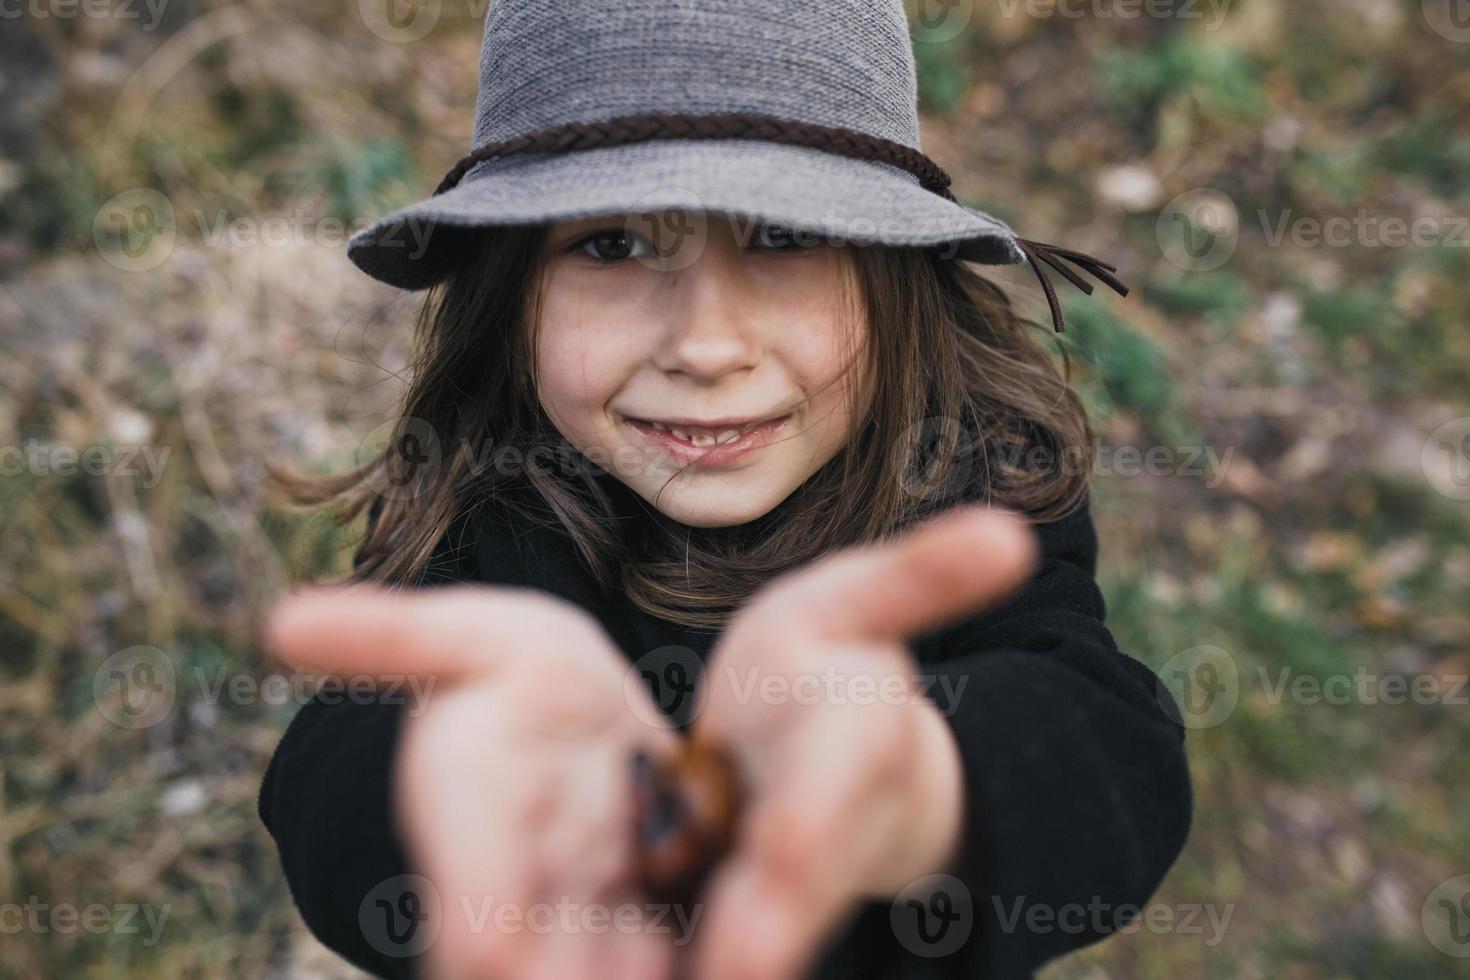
pixel 1077 787
pixel 326 801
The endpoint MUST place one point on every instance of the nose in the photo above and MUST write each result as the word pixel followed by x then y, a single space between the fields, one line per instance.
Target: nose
pixel 712 329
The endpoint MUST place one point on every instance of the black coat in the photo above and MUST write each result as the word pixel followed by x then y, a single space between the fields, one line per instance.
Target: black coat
pixel 1077 788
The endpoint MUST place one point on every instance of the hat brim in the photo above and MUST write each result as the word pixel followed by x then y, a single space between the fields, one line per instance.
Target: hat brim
pixel 859 201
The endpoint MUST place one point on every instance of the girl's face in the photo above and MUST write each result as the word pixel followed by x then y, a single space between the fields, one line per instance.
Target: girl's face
pixel 700 358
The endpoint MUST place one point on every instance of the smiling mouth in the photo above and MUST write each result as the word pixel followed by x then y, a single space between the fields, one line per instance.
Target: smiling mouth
pixel 717 446
pixel 705 436
pixel 701 437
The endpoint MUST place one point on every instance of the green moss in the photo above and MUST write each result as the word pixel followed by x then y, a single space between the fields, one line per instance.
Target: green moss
pixel 1338 176
pixel 1222 296
pixel 1433 147
pixel 1127 370
pixel 944 73
pixel 1218 82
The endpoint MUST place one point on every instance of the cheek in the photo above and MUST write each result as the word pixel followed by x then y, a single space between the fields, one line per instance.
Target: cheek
pixel 825 329
pixel 832 365
pixel 582 358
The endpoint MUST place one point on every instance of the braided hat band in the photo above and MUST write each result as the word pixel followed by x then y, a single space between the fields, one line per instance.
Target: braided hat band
pixel 693 126
pixel 574 136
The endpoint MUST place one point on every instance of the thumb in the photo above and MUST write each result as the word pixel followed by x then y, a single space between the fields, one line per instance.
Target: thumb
pixel 941 570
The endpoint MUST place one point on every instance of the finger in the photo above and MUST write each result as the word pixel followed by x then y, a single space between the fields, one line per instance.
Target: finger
pixel 644 939
pixel 565 949
pixel 460 814
pixel 594 938
pixel 755 928
pixel 472 943
pixel 808 843
pixel 946 568
pixel 451 632
pixel 587 851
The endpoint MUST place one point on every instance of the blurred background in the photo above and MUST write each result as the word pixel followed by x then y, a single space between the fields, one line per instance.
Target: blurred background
pixel 1283 404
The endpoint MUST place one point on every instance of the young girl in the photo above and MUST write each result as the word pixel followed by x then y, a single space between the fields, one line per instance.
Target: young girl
pixel 714 432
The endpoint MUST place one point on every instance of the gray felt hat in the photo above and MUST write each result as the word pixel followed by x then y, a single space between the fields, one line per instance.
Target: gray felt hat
pixel 799 114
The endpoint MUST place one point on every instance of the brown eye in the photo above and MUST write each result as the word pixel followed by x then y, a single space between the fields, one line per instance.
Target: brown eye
pixel 614 246
pixel 779 238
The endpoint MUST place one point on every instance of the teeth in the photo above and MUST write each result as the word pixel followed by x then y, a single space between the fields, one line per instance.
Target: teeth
pixel 701 439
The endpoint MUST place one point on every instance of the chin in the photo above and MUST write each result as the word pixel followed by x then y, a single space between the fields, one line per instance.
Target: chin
pixel 709 509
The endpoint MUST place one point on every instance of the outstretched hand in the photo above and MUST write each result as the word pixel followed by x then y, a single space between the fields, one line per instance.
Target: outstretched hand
pixel 856 788
pixel 511 779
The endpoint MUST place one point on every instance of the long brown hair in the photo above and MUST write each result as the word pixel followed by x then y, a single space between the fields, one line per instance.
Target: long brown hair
pixel 967 403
